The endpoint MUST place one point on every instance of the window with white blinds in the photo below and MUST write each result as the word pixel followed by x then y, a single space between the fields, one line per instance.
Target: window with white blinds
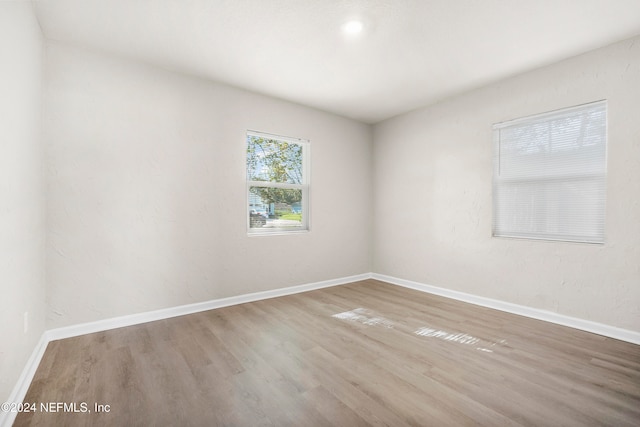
pixel 549 177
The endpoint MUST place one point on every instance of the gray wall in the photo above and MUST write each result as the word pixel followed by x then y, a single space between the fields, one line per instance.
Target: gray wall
pixel 22 203
pixel 432 180
pixel 147 190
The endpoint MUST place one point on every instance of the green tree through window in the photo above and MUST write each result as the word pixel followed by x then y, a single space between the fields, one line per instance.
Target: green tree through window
pixel 277 180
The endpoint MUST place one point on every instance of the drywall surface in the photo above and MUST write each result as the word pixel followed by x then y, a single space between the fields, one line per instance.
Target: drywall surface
pixel 147 190
pixel 433 201
pixel 22 208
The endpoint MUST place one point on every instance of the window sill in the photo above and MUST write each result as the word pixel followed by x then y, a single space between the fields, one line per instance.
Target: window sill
pixel 276 232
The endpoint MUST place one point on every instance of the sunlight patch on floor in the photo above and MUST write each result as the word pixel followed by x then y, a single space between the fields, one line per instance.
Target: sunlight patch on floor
pixel 364 316
pixel 460 338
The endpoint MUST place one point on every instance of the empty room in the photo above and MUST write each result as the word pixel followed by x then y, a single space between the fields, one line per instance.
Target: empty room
pixel 320 212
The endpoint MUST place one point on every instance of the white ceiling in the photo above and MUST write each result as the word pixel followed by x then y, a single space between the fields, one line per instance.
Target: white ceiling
pixel 411 52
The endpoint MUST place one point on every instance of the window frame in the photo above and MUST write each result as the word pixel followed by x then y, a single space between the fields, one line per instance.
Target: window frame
pixel 304 187
pixel 567 176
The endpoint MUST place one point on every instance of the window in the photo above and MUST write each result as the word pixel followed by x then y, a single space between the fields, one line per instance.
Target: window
pixel 277 183
pixel 549 177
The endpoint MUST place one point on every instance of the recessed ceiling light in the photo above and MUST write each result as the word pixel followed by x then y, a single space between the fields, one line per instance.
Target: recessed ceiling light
pixel 353 27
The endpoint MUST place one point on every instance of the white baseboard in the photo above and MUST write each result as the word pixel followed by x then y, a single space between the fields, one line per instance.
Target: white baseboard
pixel 24 381
pixel 166 313
pixel 548 316
pixel 22 385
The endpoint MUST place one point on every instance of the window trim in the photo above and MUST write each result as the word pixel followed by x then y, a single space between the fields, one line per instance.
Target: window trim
pixel 306 175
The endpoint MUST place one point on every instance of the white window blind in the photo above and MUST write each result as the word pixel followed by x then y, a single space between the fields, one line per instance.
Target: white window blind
pixel 549 178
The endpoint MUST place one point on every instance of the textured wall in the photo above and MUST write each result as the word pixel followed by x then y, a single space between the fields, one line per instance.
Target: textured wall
pixel 432 180
pixel 146 190
pixel 22 209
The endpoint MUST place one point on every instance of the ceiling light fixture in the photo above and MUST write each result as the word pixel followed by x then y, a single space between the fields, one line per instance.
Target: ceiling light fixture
pixel 353 27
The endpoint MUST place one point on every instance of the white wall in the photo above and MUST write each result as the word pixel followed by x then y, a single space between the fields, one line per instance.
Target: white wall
pixel 145 193
pixel 146 190
pixel 22 209
pixel 432 176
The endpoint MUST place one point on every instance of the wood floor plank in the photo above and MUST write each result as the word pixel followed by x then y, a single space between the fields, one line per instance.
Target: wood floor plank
pixel 366 353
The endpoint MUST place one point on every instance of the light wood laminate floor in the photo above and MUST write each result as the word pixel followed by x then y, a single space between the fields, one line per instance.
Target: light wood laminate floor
pixel 367 353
